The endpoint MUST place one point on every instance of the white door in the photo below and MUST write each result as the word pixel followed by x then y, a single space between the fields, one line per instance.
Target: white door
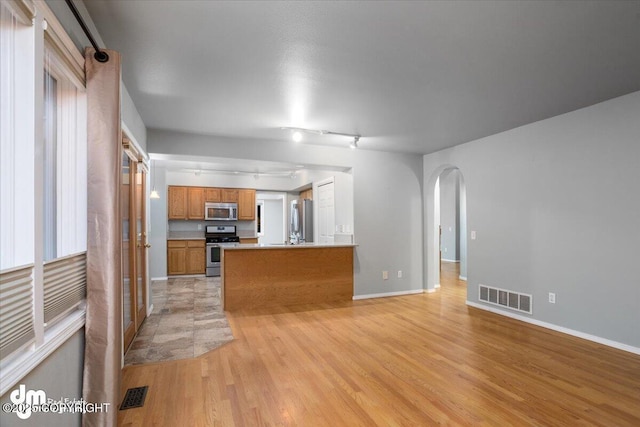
pixel 326 213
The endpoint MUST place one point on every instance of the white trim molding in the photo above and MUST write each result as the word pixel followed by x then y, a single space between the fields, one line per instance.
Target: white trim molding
pixel 450 260
pixel 154 279
pixel 561 329
pixel 462 278
pixel 388 294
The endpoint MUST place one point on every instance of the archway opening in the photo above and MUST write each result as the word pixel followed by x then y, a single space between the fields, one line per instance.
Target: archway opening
pixel 446 228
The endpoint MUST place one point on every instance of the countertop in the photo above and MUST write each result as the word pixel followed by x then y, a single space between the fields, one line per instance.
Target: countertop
pixel 282 246
pixel 185 235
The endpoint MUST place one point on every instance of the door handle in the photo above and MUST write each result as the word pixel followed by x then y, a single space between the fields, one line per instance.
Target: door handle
pixel 147 245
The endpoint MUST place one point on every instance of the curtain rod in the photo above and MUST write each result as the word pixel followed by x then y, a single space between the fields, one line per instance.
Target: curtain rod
pixel 100 55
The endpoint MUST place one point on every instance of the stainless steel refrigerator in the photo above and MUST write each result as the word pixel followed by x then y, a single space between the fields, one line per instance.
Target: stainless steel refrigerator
pixel 301 225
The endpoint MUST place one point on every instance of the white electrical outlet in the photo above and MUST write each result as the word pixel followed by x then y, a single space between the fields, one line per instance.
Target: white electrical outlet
pixel 385 275
pixel 552 298
pixel 473 235
pixel 199 226
pixel 399 274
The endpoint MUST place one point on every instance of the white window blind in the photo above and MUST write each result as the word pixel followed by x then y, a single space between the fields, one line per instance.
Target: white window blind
pixel 65 285
pixel 16 309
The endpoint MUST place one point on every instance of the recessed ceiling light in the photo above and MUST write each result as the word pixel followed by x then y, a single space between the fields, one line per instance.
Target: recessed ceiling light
pixel 297 136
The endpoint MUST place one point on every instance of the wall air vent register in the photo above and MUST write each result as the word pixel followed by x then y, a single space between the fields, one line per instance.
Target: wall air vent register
pixel 510 299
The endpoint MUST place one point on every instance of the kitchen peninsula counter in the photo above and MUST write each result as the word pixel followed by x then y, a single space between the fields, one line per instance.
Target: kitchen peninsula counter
pixel 257 276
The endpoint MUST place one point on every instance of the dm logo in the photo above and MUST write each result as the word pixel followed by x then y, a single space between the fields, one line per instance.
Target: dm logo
pixel 25 400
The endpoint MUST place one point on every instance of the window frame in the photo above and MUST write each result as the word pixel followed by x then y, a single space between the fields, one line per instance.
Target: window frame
pixel 47 30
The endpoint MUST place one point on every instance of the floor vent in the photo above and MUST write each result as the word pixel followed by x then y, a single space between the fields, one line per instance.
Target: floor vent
pixel 505 298
pixel 134 398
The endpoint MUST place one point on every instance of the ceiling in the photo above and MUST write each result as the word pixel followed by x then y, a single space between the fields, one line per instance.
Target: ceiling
pixel 411 77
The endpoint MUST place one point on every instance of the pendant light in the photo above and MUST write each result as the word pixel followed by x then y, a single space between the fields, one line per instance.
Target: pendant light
pixel 154 194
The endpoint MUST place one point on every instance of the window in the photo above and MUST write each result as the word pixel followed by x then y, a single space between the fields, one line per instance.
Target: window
pixel 44 181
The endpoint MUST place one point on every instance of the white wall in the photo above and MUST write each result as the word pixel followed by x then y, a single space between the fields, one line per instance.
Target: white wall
pixel 60 377
pixel 556 209
pixel 386 194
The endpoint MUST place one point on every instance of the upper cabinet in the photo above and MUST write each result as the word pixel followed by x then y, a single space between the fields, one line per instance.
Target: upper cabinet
pixel 229 195
pixel 246 205
pixel 307 194
pixel 177 201
pixel 212 195
pixel 188 202
pixel 196 203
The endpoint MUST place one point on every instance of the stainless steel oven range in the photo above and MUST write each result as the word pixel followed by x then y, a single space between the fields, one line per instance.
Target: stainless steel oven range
pixel 218 236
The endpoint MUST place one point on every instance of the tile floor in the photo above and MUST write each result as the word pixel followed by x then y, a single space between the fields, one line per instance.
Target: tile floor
pixel 187 321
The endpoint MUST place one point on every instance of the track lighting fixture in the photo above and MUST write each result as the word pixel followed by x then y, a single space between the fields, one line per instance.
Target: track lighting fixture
pixel 296 134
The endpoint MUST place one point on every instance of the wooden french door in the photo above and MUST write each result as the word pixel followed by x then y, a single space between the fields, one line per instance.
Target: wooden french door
pixel 134 243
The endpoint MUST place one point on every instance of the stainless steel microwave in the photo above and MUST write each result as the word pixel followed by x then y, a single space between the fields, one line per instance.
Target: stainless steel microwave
pixel 221 211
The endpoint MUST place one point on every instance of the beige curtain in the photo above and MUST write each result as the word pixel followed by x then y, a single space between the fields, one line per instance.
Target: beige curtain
pixel 103 329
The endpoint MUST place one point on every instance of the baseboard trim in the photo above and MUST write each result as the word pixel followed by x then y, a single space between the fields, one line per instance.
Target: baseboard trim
pixel 430 291
pixel 436 286
pixel 462 278
pixel 153 279
pixel 388 294
pixel 450 260
pixel 561 329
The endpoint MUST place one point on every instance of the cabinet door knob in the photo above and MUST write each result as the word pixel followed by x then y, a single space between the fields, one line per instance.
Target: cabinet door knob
pixel 147 245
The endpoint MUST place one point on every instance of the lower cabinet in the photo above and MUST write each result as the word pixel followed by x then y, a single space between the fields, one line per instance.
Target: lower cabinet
pixel 186 257
pixel 244 240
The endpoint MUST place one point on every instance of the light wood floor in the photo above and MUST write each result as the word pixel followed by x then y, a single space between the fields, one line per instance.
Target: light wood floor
pixel 417 360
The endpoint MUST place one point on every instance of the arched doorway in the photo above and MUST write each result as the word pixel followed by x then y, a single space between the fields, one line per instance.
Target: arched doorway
pixel 453 175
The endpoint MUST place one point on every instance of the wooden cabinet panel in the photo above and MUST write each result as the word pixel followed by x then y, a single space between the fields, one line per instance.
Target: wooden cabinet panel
pixel 212 195
pixel 246 205
pixel 177 202
pixel 248 240
pixel 196 257
pixel 229 195
pixel 196 203
pixel 186 257
pixel 176 257
pixel 307 194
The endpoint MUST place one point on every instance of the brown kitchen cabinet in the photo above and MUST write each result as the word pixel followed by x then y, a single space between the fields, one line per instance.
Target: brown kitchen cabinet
pixel 229 195
pixel 246 205
pixel 307 194
pixel 212 195
pixel 177 202
pixel 185 202
pixel 246 240
pixel 185 257
pixel 196 203
pixel 188 202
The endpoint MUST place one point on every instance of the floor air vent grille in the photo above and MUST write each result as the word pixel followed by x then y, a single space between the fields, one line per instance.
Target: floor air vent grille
pixel 134 398
pixel 505 298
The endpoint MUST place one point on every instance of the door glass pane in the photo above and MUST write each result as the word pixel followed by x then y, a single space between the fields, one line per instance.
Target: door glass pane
pixel 126 282
pixel 139 240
